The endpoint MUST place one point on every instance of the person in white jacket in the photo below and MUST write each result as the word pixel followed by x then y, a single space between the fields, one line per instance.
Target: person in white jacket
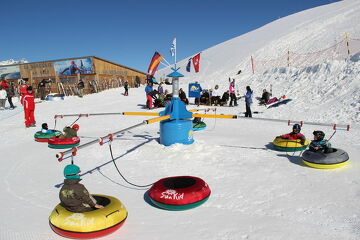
pixel 215 95
pixel 2 98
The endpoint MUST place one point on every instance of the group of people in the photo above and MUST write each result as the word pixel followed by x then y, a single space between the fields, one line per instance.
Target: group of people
pixel 212 96
pixel 319 144
pixel 7 92
pixel 158 97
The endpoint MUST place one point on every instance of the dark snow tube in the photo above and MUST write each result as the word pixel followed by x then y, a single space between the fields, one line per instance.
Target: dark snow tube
pixel 280 103
pixel 60 143
pixel 44 137
pixel 336 159
pixel 199 126
pixel 55 97
pixel 179 193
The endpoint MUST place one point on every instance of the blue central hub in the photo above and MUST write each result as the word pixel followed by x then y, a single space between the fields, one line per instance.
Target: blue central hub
pixel 178 129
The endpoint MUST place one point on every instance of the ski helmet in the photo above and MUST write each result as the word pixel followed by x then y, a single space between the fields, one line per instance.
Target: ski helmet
pixel 76 127
pixel 319 134
pixel 44 126
pixel 296 128
pixel 71 172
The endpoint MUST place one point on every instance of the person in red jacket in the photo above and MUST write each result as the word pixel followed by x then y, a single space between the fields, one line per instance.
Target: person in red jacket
pixel 29 107
pixel 295 134
pixel 4 84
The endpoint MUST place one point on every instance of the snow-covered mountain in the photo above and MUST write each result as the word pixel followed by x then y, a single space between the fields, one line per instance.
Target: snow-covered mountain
pixel 12 61
pixel 330 85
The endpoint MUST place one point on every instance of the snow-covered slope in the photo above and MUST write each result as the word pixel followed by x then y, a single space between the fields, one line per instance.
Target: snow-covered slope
pixel 257 193
pixel 333 83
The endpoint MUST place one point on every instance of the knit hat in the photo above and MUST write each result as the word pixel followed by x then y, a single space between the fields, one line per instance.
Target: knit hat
pixel 72 172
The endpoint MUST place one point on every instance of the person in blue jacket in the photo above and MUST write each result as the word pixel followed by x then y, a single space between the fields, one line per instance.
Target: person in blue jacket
pixel 149 99
pixel 248 101
pixel 319 144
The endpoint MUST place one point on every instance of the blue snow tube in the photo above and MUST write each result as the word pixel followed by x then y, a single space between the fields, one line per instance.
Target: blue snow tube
pixel 54 97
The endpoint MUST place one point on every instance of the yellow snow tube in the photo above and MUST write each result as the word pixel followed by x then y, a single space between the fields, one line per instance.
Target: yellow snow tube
pixel 289 145
pixel 93 224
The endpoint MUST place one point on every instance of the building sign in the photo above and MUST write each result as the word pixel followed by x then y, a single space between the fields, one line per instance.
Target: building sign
pixel 194 90
pixel 10 72
pixel 37 65
pixel 73 67
pixel 116 72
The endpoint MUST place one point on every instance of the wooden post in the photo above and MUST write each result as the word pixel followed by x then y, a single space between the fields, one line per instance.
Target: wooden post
pixel 347 44
pixel 288 58
pixel 252 64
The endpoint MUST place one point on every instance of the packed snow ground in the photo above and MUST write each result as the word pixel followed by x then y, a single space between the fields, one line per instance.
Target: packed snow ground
pixel 257 193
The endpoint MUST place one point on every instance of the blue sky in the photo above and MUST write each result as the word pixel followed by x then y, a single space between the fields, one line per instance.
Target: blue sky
pixel 128 32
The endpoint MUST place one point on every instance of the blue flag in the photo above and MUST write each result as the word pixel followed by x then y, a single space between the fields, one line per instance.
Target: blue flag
pixel 188 66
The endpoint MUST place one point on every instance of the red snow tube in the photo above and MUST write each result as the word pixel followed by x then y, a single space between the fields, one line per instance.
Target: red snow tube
pixel 56 142
pixel 179 193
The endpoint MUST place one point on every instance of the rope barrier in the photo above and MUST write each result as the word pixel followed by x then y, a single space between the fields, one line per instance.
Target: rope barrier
pixel 339 50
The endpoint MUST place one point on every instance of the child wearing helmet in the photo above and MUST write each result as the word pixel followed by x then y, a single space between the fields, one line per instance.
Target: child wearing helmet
pixel 73 195
pixel 45 128
pixel 295 134
pixel 70 132
pixel 319 144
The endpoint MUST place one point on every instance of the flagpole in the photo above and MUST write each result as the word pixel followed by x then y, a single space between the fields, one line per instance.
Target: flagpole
pixel 175 52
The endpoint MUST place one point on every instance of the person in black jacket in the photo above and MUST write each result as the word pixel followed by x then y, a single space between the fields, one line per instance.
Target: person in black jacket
pixel 205 97
pixel 182 96
pixel 265 97
pixel 81 87
pixel 10 93
pixel 41 88
pixel 225 98
pixel 126 87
